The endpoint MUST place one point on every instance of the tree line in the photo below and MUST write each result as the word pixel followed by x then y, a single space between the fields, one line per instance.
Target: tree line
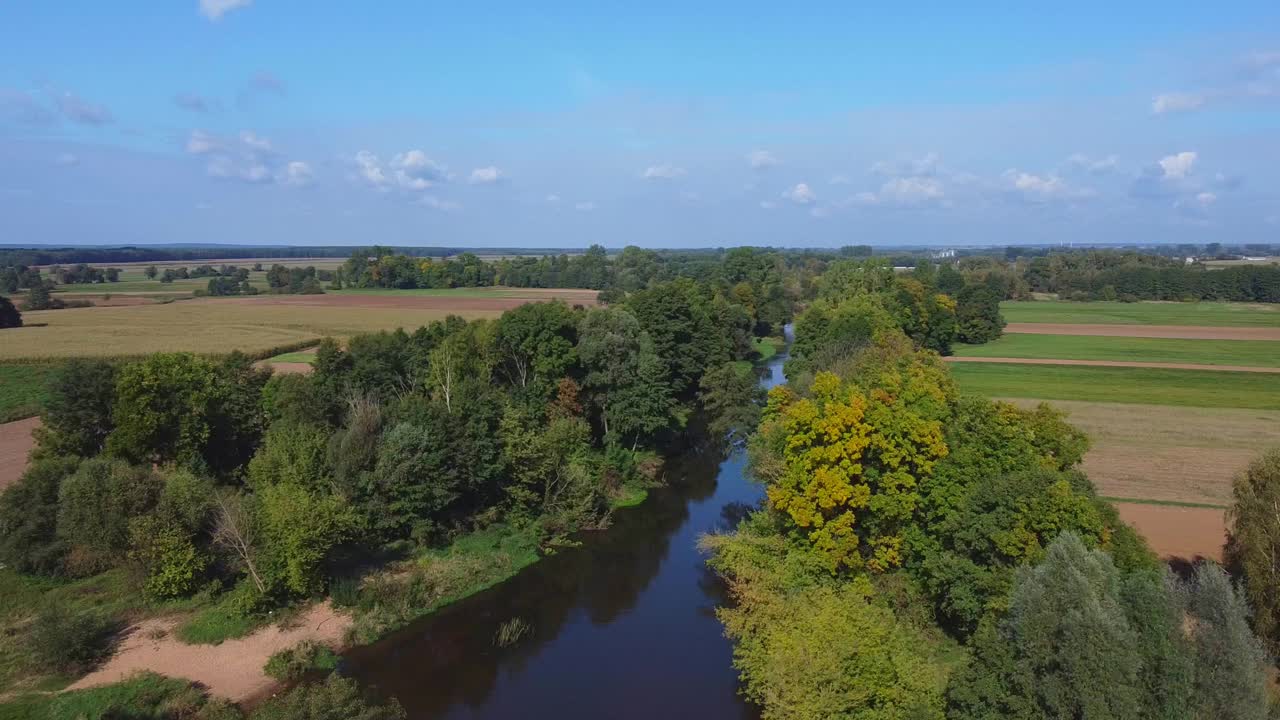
pixel 922 553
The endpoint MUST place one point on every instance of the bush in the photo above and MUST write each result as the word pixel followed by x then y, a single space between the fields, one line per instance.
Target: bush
pixel 145 696
pixel 95 506
pixel 337 698
pixel 64 641
pixel 9 315
pixel 295 662
pixel 28 518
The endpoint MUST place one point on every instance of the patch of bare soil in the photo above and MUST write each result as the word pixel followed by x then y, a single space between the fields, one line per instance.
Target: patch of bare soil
pixel 16 442
pixel 1182 332
pixel 1114 363
pixel 233 670
pixel 1178 532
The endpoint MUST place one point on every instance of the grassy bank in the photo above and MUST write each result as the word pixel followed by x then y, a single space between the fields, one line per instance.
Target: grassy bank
pixel 1258 353
pixel 1151 386
pixel 1143 313
pixel 24 388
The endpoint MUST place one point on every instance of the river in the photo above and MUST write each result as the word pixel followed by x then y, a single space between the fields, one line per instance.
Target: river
pixel 621 627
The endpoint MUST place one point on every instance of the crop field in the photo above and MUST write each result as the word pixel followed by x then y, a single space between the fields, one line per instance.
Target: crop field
pixel 1145 386
pixel 1143 313
pixel 1259 353
pixel 23 388
pixel 254 325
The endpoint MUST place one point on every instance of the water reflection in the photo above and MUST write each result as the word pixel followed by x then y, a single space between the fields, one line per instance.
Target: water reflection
pixel 621 627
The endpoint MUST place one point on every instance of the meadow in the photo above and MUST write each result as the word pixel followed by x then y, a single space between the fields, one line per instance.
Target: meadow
pixel 23 388
pixel 1142 313
pixel 1258 353
pixel 1146 386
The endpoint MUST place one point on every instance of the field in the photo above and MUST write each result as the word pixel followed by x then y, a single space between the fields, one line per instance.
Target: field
pixel 1259 353
pixel 1144 386
pixel 1166 442
pixel 1213 314
pixel 255 325
pixel 23 388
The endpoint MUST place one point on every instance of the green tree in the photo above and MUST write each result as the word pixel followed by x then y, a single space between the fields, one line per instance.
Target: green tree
pixel 1254 545
pixel 298 529
pixel 150 272
pixel 9 315
pixel 1231 665
pixel 624 378
pixel 77 415
pixel 29 540
pixel 535 345
pixel 95 506
pixel 731 399
pixel 292 452
pixel 978 318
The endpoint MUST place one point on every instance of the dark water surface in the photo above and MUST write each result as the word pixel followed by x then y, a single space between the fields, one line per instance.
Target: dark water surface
pixel 621 627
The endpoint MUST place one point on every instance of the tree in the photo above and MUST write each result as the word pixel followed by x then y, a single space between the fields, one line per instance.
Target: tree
pixel 95 506
pixel 978 318
pixel 624 377
pixel 534 344
pixel 1232 668
pixel 845 463
pixel 77 415
pixel 1254 544
pixel 29 540
pixel 292 452
pixel 39 298
pixel 298 529
pixel 9 315
pixel 731 398
pixel 235 530
pixel 949 280
pixel 150 272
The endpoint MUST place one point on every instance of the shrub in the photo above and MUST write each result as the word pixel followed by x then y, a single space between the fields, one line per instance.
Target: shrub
pixel 295 662
pixel 337 698
pixel 95 506
pixel 167 554
pixel 9 315
pixel 28 518
pixel 64 641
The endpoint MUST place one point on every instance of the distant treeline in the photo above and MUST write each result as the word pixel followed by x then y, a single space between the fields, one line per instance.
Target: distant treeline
pixel 1125 275
pixel 55 256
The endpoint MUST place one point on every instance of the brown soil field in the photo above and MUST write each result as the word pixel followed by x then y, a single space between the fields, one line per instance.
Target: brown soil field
pixel 233 670
pixel 1181 332
pixel 1164 453
pixel 1178 532
pixel 1114 363
pixel 16 441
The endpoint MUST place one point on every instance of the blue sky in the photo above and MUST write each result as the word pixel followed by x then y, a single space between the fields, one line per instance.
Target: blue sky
pixel 662 124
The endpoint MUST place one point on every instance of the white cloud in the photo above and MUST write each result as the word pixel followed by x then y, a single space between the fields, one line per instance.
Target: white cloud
pixel 925 166
pixel 1176 102
pixel 436 203
pixel 1092 165
pixel 66 159
pixel 762 160
pixel 662 172
pixel 1177 167
pixel 553 198
pixel 413 170
pixel 215 9
pixel 297 173
pixel 370 169
pixel 77 109
pixel 1042 188
pixel 800 195
pixel 259 144
pixel 201 142
pixel 486 176
pixel 911 190
pixel 585 206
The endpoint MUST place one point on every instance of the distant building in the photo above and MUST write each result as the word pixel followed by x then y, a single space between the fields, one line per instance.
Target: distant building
pixel 941 254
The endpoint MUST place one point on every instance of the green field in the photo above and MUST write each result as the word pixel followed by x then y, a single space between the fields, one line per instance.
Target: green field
pixel 293 357
pixel 1151 386
pixel 1142 313
pixel 1257 353
pixel 23 389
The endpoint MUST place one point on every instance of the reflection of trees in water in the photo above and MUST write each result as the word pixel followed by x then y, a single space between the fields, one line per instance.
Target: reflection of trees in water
pixel 450 656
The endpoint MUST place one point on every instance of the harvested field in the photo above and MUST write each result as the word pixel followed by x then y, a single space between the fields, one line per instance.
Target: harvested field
pixel 1113 363
pixel 1178 532
pixel 16 442
pixel 1169 454
pixel 250 324
pixel 1209 314
pixel 233 670
pixel 1144 386
pixel 1180 332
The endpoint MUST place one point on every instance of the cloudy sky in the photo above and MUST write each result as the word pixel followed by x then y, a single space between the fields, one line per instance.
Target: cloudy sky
pixel 665 124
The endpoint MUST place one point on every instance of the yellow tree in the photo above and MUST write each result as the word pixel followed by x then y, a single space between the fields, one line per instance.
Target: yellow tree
pixel 847 460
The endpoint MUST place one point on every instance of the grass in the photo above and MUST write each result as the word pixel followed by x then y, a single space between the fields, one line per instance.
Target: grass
pixel 24 388
pixel 203 326
pixel 1170 503
pixel 1150 386
pixel 473 563
pixel 146 696
pixel 295 662
pixel 1258 353
pixel 1143 313
pixel 293 357
pixel 766 348
pixel 216 624
pixel 630 496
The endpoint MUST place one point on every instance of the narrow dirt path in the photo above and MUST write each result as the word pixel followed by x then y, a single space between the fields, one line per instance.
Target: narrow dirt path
pixel 16 441
pixel 232 670
pixel 1181 332
pixel 1114 363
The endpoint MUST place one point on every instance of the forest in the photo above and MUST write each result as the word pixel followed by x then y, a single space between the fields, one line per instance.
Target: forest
pixel 926 554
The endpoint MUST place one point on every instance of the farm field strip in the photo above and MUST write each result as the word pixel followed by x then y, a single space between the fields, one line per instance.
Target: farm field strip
pixel 1208 314
pixel 1173 332
pixel 1250 353
pixel 1146 386
pixel 1113 363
